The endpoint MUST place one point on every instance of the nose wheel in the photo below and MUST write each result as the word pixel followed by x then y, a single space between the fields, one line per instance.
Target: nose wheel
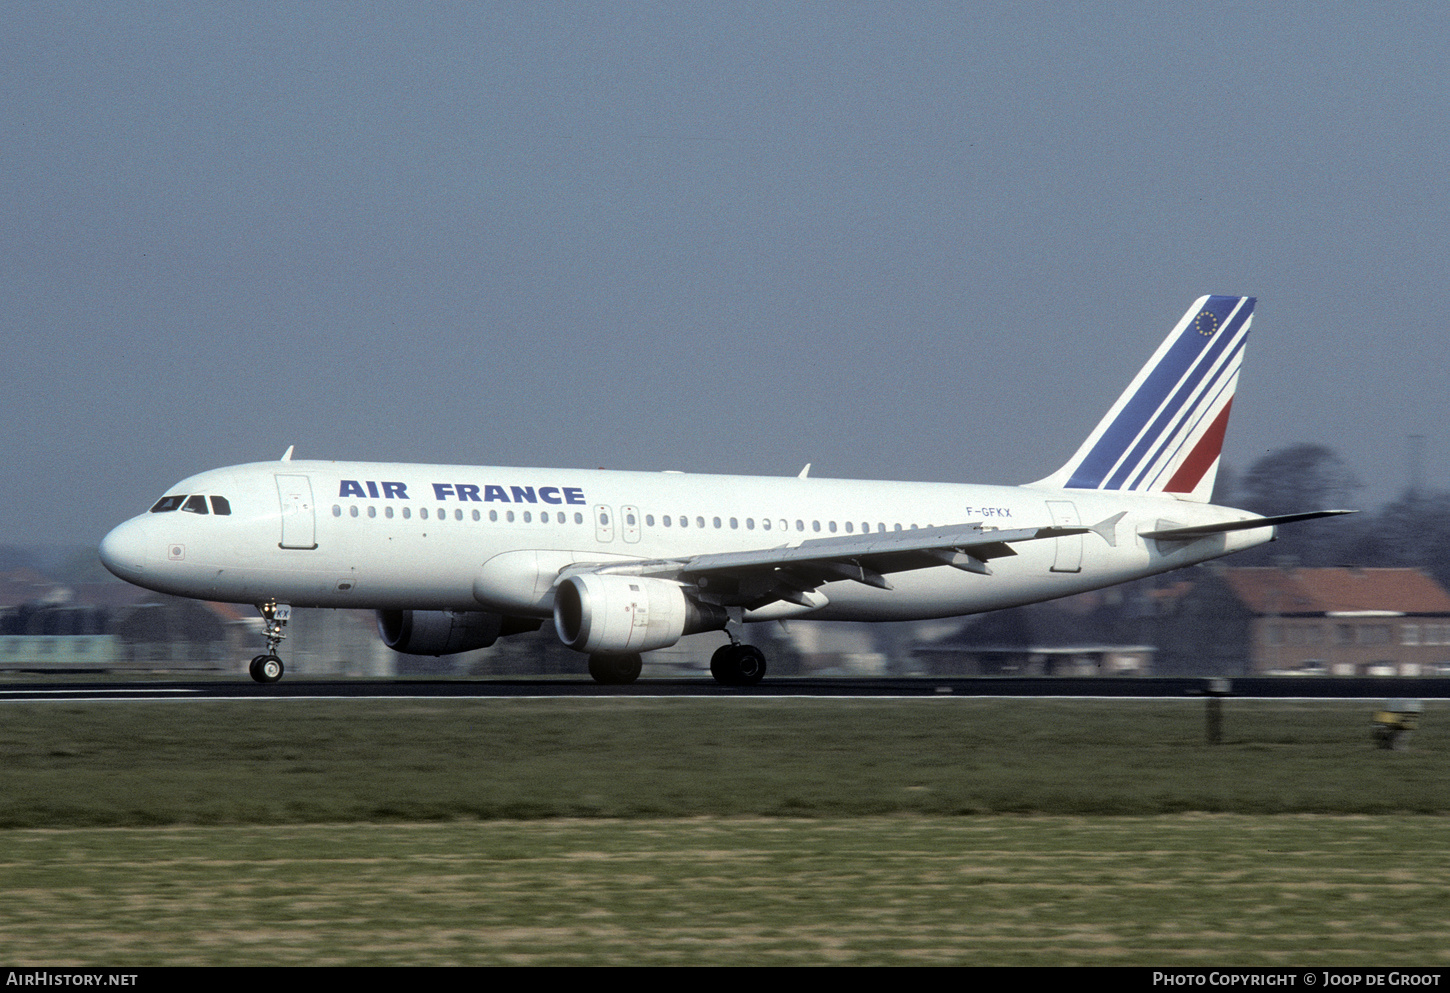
pixel 267 667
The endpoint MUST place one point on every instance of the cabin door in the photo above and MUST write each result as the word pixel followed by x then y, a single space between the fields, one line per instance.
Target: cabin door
pixel 1068 554
pixel 299 523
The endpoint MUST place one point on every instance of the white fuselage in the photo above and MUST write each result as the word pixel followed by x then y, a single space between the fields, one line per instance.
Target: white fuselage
pixel 405 536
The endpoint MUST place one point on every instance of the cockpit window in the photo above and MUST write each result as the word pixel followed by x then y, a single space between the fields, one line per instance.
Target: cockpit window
pixel 220 506
pixel 168 503
pixel 196 504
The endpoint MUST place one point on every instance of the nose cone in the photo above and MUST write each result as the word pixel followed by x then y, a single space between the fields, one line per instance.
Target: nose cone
pixel 123 551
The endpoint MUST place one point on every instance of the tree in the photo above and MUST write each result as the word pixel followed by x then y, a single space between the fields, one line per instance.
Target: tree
pixel 1299 478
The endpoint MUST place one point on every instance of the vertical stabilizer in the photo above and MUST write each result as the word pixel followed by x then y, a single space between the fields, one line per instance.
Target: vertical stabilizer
pixel 1165 432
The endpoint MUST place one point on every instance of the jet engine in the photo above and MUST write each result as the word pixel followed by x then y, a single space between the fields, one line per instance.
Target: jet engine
pixel 615 615
pixel 446 632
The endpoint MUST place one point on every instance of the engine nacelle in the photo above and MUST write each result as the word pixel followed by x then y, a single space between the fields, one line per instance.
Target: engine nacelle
pixel 618 615
pixel 446 632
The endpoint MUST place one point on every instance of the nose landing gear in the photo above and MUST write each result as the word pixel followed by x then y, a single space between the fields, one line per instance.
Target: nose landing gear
pixel 268 668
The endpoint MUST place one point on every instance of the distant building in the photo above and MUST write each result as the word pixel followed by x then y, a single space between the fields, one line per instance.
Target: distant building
pixel 1328 621
pixel 1341 622
pixel 1078 636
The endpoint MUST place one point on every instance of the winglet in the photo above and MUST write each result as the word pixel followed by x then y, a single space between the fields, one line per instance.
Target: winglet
pixel 1164 434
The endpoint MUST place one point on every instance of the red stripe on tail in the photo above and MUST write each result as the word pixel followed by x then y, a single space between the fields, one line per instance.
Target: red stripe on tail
pixel 1203 455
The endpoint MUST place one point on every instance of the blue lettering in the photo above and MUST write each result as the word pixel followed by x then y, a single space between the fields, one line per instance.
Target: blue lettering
pixel 395 491
pixel 442 491
pixel 573 494
pixel 349 488
pixel 494 493
pixel 467 491
pixel 372 489
pixel 550 494
pixel 523 494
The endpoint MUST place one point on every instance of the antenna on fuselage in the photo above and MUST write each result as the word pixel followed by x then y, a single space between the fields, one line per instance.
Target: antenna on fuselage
pixel 287 455
pixel 805 472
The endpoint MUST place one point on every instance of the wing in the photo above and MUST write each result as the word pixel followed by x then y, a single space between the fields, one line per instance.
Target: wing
pixel 752 579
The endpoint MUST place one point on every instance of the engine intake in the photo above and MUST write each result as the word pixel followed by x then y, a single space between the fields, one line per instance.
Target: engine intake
pixel 615 615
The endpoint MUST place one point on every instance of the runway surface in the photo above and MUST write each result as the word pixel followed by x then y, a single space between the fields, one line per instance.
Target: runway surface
pixel 1370 688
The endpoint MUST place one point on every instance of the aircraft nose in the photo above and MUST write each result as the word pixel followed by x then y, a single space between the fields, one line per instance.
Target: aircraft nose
pixel 123 551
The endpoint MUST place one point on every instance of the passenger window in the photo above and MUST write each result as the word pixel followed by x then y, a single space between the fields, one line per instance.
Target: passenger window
pixel 372 512
pixel 477 516
pixel 220 506
pixel 717 524
pixel 700 522
pixel 734 524
pixel 649 520
pixel 336 511
pixel 388 513
pixel 684 521
pixel 750 524
pixel 195 505
pixel 408 513
pixel 765 523
pixel 528 517
pixel 850 528
pixel 815 525
pixel 831 527
pixel 422 512
pixel 509 516
pixel 629 519
pixel 458 515
pixel 352 511
pixel 800 525
pixel 493 516
pixel 578 518
pixel 168 503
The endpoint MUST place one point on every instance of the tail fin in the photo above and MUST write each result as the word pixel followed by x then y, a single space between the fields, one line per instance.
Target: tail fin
pixel 1165 432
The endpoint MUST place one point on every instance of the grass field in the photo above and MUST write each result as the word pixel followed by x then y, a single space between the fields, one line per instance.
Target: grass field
pixel 719 831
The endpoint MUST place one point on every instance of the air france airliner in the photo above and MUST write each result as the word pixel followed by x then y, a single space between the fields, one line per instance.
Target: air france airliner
pixel 452 558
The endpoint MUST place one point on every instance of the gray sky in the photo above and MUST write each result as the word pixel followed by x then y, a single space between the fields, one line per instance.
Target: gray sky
pixel 910 241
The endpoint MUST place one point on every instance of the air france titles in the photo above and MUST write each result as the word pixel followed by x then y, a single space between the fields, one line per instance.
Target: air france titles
pixel 465 492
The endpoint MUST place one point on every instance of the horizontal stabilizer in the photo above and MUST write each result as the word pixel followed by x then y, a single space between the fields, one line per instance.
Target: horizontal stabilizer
pixel 1203 530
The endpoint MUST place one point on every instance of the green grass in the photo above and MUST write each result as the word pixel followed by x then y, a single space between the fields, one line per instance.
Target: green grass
pixel 284 761
pixel 611 831
pixel 1183 890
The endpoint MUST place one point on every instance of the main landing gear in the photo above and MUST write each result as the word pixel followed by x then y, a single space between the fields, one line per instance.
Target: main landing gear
pixel 615 670
pixel 268 668
pixel 737 664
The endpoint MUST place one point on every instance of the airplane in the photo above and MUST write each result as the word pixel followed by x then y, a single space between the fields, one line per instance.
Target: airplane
pixel 452 558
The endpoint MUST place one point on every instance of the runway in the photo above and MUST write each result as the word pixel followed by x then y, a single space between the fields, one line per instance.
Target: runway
pixel 1368 688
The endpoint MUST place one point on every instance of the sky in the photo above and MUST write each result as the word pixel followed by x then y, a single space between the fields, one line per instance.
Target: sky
pixel 895 240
